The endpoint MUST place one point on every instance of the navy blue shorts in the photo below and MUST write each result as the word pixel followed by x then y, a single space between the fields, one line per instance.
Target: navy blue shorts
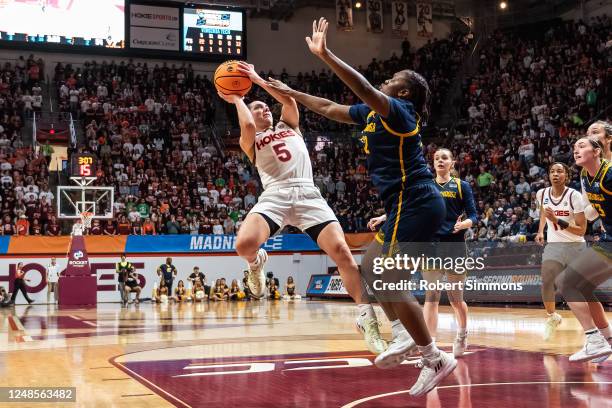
pixel 413 215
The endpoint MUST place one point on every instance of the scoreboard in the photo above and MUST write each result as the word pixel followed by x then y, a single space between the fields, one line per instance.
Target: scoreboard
pixel 213 32
pixel 135 28
pixel 82 166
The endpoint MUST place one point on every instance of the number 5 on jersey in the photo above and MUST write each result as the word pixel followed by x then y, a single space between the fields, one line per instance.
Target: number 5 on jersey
pixel 283 154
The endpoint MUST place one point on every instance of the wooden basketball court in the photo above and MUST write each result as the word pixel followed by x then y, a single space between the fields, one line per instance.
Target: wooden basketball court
pixel 283 354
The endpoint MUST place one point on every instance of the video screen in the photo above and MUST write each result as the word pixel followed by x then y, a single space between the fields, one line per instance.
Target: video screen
pixel 216 32
pixel 90 23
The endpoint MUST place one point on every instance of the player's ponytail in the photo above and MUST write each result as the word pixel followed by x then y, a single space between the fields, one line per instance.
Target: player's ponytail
pixel 420 95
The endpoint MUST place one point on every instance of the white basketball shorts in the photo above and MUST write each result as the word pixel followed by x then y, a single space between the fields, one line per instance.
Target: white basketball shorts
pixel 562 252
pixel 300 206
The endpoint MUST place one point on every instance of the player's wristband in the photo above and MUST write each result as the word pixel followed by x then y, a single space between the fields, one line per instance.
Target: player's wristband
pixel 562 224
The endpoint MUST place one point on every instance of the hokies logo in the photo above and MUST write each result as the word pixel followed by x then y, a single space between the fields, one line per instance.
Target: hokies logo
pixel 36 276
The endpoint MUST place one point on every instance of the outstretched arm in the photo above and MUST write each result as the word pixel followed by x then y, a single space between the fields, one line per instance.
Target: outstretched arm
pixel 247 124
pixel 375 99
pixel 325 107
pixel 289 114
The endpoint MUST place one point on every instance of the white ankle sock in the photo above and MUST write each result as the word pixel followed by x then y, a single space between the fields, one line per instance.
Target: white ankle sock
pixel 397 328
pixel 462 332
pixel 366 310
pixel 592 332
pixel 429 351
pixel 606 331
pixel 253 265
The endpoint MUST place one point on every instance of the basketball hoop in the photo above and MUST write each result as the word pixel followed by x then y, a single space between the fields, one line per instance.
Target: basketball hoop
pixel 86 218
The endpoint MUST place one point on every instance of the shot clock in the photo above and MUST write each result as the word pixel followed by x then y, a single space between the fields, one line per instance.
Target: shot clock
pixel 83 166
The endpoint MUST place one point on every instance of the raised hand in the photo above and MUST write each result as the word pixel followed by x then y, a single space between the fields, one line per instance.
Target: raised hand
pixel 249 70
pixel 318 42
pixel 231 98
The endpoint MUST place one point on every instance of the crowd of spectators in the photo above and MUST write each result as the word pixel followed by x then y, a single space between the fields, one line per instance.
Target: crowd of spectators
pixel 438 61
pixel 26 204
pixel 148 129
pixel 533 95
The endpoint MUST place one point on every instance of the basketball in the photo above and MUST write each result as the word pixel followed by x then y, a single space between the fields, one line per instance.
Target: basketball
pixel 229 81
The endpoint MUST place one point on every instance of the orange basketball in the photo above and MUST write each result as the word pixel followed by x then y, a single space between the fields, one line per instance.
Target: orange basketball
pixel 229 81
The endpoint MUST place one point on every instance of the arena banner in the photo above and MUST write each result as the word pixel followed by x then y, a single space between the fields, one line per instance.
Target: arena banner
pixel 37 245
pixel 399 18
pixel 344 15
pixel 154 38
pixel 214 266
pixel 154 28
pixel 4 244
pixel 154 16
pixel 424 19
pixel 227 243
pixel 504 285
pixel 374 16
pixel 317 287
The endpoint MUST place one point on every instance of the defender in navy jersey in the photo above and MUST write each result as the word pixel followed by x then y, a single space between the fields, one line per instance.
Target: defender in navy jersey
pixel 597 191
pixel 449 241
pixel 593 266
pixel 390 117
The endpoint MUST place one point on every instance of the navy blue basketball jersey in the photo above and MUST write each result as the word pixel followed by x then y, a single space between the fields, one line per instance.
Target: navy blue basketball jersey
pixel 393 145
pixel 598 191
pixel 459 199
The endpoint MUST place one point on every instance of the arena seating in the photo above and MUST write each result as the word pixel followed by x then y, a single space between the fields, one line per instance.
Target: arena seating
pixel 25 200
pixel 531 94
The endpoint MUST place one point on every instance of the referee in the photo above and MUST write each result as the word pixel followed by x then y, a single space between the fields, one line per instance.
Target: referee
pixel 167 272
pixel 53 271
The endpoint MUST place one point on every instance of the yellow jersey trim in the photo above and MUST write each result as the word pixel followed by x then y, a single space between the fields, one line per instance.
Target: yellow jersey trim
pixel 601 166
pixel 397 219
pixel 380 237
pixel 603 174
pixel 393 132
pixel 459 187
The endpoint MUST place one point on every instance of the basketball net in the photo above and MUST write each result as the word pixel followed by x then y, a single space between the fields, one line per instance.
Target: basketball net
pixel 86 217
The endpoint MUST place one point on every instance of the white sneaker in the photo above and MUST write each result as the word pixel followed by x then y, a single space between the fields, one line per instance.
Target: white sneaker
pixel 602 358
pixel 256 280
pixel 432 373
pixel 595 347
pixel 399 349
pixel 552 322
pixel 369 327
pixel 459 345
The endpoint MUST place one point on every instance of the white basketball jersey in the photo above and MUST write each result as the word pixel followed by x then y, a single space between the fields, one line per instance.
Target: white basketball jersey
pixel 565 207
pixel 77 229
pixel 281 157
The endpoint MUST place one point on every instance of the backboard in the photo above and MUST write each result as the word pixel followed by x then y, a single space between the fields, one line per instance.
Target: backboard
pixel 72 200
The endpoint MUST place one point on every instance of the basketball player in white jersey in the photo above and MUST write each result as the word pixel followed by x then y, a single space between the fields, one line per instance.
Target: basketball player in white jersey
pixel 290 197
pixel 562 212
pixel 78 228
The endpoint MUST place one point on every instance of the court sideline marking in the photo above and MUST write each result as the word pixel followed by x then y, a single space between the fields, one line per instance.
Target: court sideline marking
pixel 373 397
